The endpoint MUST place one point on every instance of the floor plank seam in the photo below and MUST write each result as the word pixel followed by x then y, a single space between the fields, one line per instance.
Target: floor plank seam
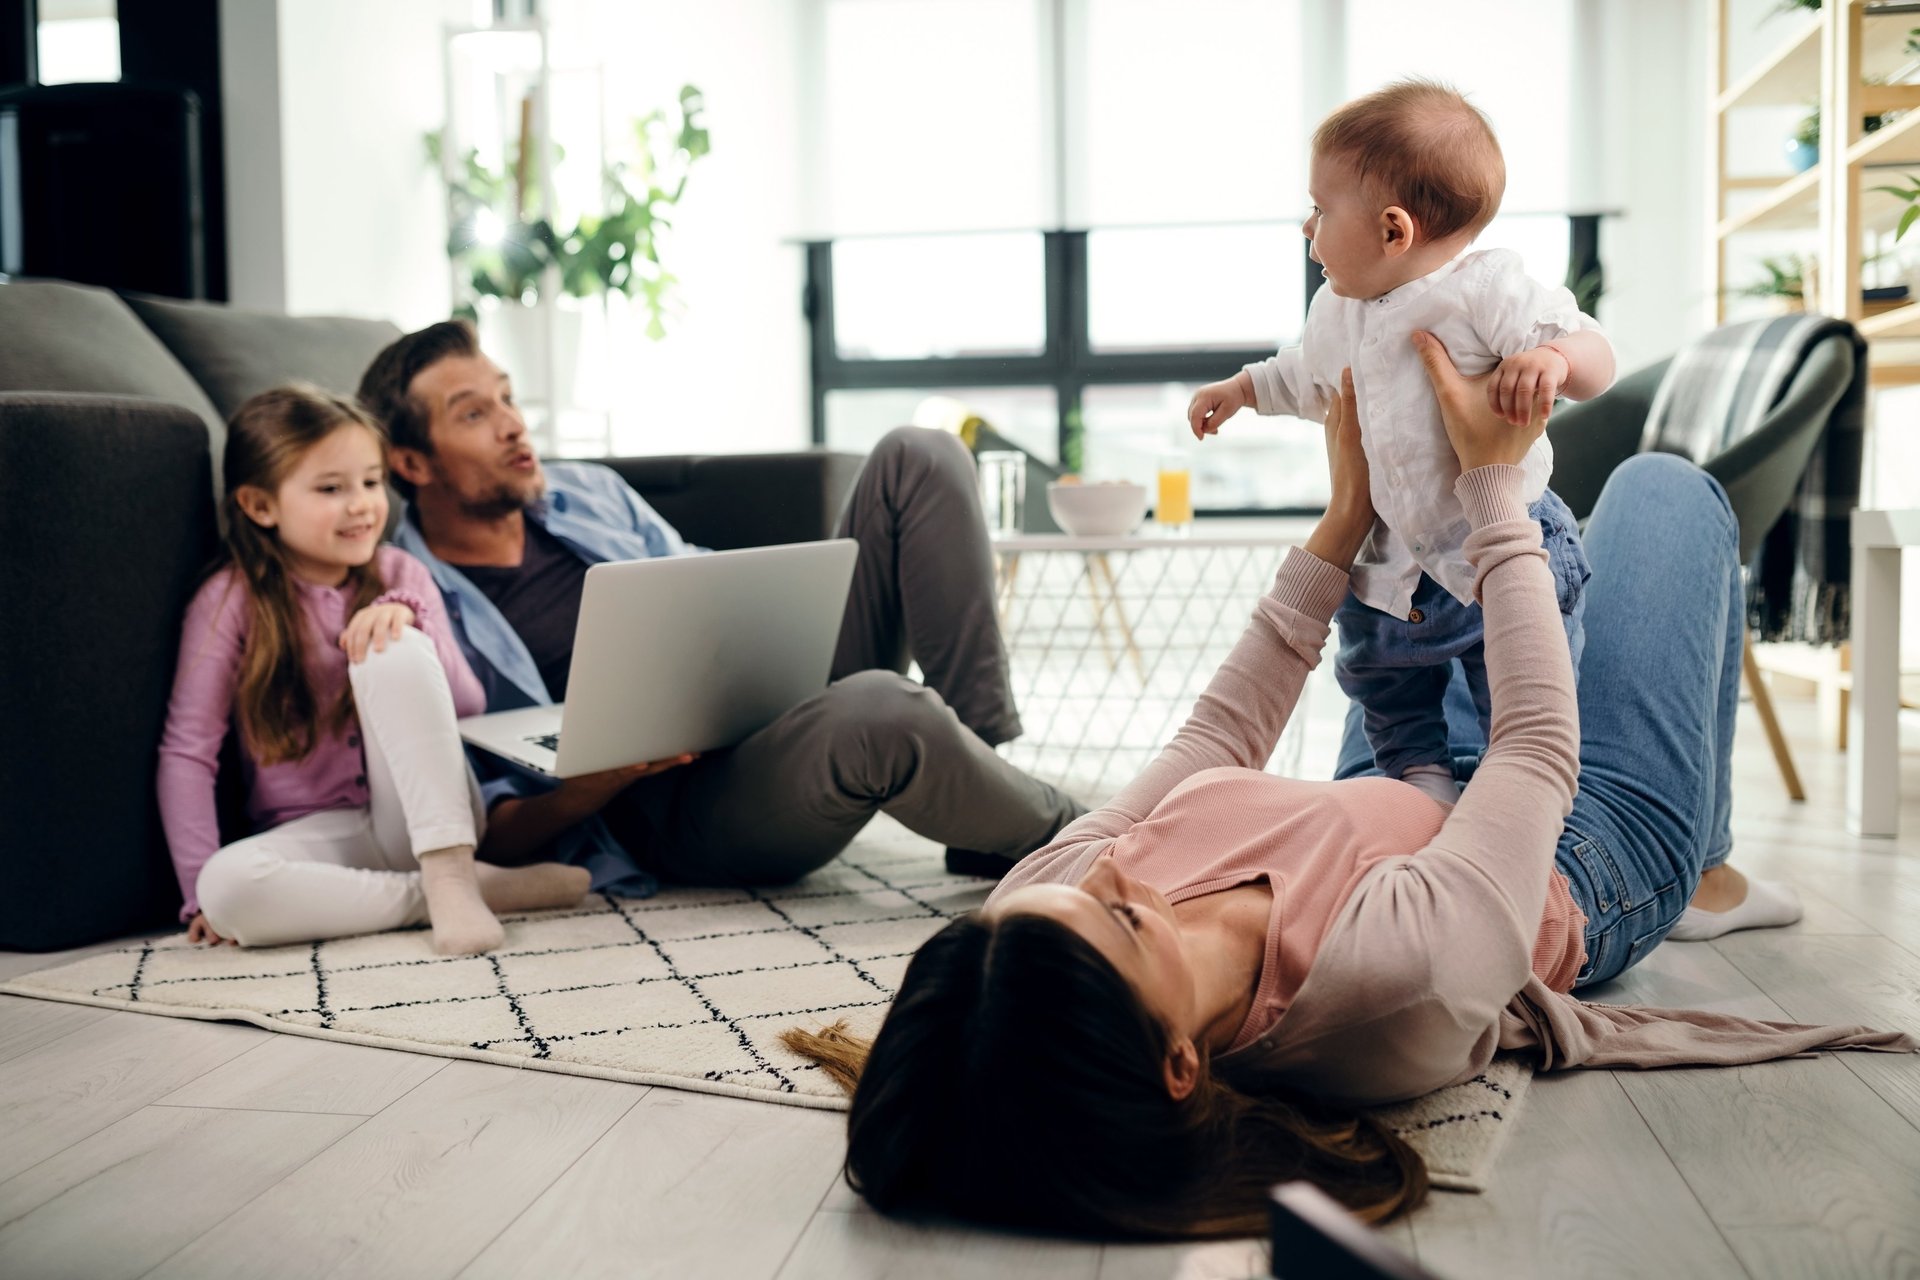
pixel 536 1197
pixel 226 1217
pixel 264 1111
pixel 1681 1174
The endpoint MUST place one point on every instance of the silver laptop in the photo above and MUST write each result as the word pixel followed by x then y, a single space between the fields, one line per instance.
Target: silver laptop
pixel 680 654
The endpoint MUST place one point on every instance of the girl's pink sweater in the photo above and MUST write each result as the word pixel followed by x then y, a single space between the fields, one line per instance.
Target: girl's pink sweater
pixel 200 713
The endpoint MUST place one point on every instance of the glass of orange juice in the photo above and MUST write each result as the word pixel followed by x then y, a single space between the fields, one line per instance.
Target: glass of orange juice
pixel 1173 507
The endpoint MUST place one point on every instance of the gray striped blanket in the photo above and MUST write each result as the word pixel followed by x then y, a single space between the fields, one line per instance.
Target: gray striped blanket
pixel 1719 390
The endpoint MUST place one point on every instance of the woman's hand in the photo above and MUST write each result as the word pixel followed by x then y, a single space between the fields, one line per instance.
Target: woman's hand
pixel 374 626
pixel 1349 518
pixel 1480 436
pixel 199 931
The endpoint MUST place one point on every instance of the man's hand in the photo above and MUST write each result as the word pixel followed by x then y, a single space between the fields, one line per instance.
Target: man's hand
pixel 1214 403
pixel 1528 383
pixel 589 793
pixel 199 931
pixel 1480 436
pixel 374 626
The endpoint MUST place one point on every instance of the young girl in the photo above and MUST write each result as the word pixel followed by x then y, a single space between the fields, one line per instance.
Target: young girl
pixel 330 656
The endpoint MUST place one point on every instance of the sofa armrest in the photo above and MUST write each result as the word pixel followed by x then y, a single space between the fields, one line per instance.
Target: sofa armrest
pixel 725 501
pixel 106 508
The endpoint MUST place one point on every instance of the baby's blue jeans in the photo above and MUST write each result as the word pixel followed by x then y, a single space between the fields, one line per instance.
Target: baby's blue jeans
pixel 1397 669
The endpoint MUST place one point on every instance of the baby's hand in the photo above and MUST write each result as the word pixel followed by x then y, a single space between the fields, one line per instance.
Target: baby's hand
pixel 374 625
pixel 1214 403
pixel 1526 385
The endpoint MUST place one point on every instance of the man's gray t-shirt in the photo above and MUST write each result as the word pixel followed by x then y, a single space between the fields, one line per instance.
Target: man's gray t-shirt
pixel 540 599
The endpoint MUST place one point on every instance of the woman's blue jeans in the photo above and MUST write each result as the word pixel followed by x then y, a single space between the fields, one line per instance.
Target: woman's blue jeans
pixel 1659 688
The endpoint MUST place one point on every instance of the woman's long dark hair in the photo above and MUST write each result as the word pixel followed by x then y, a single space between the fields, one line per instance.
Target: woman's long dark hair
pixel 1018 1080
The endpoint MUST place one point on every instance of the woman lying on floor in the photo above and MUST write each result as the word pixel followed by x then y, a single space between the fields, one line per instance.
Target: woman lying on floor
pixel 1177 1003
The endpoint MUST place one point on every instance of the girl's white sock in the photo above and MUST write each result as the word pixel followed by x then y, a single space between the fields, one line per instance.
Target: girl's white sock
pixel 462 924
pixel 1768 905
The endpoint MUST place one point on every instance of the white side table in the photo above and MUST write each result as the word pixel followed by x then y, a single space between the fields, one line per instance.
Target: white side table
pixel 1111 640
pixel 1873 719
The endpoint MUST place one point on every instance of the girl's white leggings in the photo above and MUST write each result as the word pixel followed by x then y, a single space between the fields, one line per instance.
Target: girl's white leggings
pixel 347 871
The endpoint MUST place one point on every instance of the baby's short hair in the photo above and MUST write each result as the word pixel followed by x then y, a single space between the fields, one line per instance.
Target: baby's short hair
pixel 1423 146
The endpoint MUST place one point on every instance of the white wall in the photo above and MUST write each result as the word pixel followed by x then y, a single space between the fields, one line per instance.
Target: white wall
pixel 331 205
pixel 1652 82
pixel 256 207
pixel 361 82
pixel 731 375
pixel 335 210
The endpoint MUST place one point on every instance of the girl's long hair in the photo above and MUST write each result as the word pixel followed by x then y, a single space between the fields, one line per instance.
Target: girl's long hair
pixel 1018 1081
pixel 274 703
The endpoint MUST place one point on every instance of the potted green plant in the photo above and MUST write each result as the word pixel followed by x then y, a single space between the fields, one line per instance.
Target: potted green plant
pixel 501 253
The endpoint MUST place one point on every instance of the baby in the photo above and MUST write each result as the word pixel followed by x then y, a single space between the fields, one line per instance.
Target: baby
pixel 1401 181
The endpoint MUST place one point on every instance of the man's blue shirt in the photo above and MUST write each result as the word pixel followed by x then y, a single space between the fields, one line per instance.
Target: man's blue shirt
pixel 596 515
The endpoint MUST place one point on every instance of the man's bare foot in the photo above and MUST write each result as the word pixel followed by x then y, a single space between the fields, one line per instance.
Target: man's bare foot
pixel 540 886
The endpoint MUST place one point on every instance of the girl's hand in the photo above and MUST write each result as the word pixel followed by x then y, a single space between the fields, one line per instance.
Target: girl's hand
pixel 374 625
pixel 199 931
pixel 1480 436
pixel 1349 518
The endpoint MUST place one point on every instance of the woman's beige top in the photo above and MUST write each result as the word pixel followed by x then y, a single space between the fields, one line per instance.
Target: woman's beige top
pixel 1419 948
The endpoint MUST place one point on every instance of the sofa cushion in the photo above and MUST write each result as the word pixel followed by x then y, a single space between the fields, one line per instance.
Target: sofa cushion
pixel 56 336
pixel 236 354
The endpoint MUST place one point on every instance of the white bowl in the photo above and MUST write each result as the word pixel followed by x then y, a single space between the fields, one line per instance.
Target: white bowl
pixel 1103 510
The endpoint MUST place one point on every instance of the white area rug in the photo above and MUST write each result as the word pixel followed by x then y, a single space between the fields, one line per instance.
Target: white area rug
pixel 690 989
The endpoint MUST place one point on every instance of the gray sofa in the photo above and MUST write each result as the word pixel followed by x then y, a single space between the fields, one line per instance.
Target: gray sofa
pixel 111 425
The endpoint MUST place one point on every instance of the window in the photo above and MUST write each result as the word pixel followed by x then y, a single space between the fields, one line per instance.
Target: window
pixel 927 115
pixel 78 41
pixel 912 297
pixel 1160 149
pixel 1184 112
pixel 1254 464
pixel 1187 288
pixel 1028 416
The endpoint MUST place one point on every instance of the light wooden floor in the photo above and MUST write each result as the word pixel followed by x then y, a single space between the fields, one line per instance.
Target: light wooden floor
pixel 134 1145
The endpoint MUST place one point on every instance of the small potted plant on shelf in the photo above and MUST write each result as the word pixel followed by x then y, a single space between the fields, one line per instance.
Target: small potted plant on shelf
pixel 1803 148
pixel 1786 282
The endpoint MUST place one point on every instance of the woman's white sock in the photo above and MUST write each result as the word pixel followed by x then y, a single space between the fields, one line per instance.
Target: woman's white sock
pixel 1768 905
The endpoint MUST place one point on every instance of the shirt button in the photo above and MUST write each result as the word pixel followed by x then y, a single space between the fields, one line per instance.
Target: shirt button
pixel 1414 615
pixel 353 739
pixel 360 780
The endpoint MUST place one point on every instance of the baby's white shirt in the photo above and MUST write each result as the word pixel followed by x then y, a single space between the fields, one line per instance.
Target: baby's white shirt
pixel 1484 307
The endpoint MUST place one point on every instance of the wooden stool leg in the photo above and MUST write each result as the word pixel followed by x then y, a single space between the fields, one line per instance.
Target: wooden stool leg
pixel 1763 703
pixel 1120 612
pixel 1099 610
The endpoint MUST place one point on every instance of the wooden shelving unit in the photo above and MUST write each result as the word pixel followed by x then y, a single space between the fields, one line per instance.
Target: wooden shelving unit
pixel 1851 59
pixel 1839 58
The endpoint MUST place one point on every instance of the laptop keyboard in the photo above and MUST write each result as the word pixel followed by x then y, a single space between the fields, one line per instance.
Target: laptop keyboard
pixel 551 741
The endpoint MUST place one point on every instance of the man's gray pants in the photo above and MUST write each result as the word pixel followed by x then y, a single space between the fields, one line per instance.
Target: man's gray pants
pixel 793 795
